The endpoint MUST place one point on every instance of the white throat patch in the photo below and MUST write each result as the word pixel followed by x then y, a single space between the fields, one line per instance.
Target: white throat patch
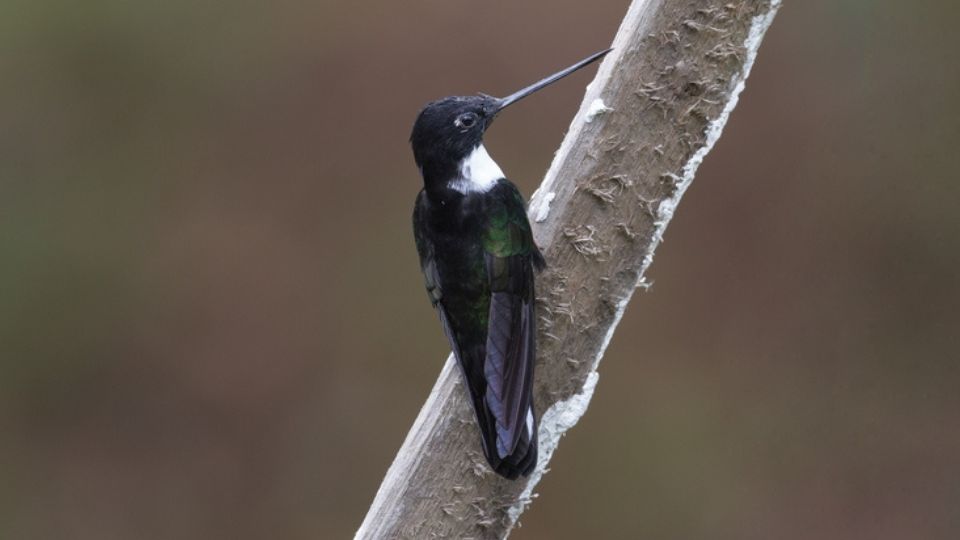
pixel 478 172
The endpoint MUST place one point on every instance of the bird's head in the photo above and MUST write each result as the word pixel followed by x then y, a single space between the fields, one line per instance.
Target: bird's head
pixel 450 129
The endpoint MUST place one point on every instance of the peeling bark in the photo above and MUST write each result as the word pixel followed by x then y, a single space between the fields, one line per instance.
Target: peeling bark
pixel 656 107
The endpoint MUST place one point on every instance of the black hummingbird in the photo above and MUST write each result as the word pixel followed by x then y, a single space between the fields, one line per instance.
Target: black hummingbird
pixel 478 259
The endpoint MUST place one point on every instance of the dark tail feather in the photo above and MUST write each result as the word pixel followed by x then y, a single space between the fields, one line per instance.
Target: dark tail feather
pixel 523 458
pixel 521 461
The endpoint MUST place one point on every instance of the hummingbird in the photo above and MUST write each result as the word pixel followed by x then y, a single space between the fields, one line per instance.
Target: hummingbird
pixel 478 259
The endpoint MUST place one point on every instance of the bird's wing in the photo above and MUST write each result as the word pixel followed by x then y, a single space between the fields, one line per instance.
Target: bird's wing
pixel 510 256
pixel 428 262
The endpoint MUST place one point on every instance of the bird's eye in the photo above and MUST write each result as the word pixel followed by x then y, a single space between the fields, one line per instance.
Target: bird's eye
pixel 466 120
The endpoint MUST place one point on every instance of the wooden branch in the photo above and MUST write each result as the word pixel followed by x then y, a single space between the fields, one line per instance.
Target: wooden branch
pixel 656 107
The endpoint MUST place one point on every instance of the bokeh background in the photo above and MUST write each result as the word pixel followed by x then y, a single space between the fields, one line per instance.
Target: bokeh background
pixel 212 323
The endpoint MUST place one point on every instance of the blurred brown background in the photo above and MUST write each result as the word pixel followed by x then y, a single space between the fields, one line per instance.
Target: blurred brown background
pixel 212 323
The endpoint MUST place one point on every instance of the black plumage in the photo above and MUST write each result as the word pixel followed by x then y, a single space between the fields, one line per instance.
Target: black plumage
pixel 479 259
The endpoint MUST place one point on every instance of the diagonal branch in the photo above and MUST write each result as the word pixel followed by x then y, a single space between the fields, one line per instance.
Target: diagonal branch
pixel 656 107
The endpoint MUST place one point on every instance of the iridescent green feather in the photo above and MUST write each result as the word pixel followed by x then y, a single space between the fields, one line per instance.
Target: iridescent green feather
pixel 507 232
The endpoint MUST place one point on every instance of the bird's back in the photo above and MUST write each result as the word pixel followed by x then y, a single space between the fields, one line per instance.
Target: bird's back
pixel 459 240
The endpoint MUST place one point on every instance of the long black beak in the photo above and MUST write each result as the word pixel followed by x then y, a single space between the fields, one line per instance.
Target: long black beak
pixel 520 94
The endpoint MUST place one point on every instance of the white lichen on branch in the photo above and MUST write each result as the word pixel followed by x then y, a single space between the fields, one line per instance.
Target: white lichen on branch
pixel 556 421
pixel 667 207
pixel 597 107
pixel 543 207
